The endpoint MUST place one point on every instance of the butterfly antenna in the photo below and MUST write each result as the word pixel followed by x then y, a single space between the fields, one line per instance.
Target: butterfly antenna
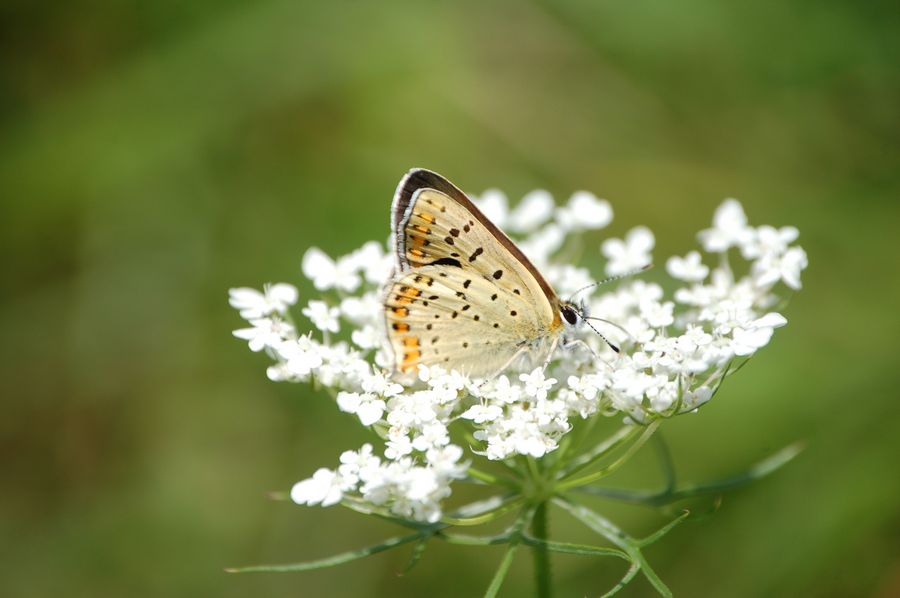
pixel 609 279
pixel 613 324
pixel 600 334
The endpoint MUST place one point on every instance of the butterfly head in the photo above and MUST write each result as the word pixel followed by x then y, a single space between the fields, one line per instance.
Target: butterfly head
pixel 575 314
pixel 572 314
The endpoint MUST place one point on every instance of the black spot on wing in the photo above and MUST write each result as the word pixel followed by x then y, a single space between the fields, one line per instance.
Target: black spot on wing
pixel 446 261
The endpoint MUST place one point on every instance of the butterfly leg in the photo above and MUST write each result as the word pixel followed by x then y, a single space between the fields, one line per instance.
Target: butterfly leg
pixel 508 363
pixel 550 353
pixel 577 342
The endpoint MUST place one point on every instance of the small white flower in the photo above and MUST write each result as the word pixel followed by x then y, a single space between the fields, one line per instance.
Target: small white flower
pixel 373 262
pixel 533 211
pixel 536 385
pixel 265 332
pixel 631 254
pixel 323 317
pixel 494 205
pixel 729 228
pixel 768 240
pixel 326 274
pixel 543 243
pixel 398 447
pixel 504 391
pixel 588 385
pixel 366 309
pixel 381 385
pixel 482 413
pixel 567 279
pixel 658 315
pixel 367 337
pixel 358 465
pixel 445 461
pixel 366 406
pixel 747 339
pixel 771 268
pixel 300 356
pixel 433 434
pixel 275 299
pixel 583 212
pixel 323 488
pixel 688 268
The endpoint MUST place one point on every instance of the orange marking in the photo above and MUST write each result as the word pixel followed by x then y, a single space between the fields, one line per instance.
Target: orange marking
pixel 401 327
pixel 400 311
pixel 417 252
pixel 411 341
pixel 407 295
pixel 427 218
pixel 409 359
pixel 420 241
pixel 422 229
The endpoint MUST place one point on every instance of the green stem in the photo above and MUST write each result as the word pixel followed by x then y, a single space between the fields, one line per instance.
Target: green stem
pixel 572 482
pixel 542 573
pixel 489 478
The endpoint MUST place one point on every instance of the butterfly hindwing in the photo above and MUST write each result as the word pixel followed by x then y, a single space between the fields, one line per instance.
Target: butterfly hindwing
pixel 448 316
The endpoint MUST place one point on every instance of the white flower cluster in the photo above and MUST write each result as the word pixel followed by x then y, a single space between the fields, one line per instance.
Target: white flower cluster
pixel 674 353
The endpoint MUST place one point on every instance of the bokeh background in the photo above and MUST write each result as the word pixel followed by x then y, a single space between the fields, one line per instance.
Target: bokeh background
pixel 154 154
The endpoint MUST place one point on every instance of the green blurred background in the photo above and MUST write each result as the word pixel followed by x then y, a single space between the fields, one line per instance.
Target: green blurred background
pixel 154 154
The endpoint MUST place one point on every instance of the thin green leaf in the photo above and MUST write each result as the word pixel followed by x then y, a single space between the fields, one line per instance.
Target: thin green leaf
pixel 416 555
pixel 663 530
pixel 480 507
pixel 502 570
pixel 757 471
pixel 332 561
pixel 601 449
pixel 665 462
pixel 365 508
pixel 612 533
pixel 489 478
pixel 491 515
pixel 629 575
pixel 514 542
pixel 598 523
pixel 577 549
pixel 651 576
pixel 467 540
pixel 569 483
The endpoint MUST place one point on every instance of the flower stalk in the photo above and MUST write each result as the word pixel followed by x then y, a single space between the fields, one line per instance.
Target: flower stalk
pixel 542 573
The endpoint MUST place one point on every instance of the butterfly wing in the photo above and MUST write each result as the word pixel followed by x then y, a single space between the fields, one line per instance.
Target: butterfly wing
pixel 447 316
pixel 448 249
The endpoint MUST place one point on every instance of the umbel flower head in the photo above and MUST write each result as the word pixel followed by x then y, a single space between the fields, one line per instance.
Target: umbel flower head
pixel 675 350
pixel 645 356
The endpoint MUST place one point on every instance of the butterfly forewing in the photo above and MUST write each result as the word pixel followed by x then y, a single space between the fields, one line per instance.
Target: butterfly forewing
pixel 465 296
pixel 434 221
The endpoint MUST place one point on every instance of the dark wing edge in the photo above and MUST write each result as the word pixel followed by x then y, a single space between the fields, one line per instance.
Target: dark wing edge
pixel 401 209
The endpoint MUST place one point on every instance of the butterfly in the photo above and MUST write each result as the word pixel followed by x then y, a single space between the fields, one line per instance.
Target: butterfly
pixel 463 296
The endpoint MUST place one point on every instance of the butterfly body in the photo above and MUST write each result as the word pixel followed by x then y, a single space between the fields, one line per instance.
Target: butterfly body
pixel 463 295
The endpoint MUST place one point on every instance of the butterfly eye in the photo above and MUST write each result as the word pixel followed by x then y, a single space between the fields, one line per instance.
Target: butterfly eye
pixel 569 314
